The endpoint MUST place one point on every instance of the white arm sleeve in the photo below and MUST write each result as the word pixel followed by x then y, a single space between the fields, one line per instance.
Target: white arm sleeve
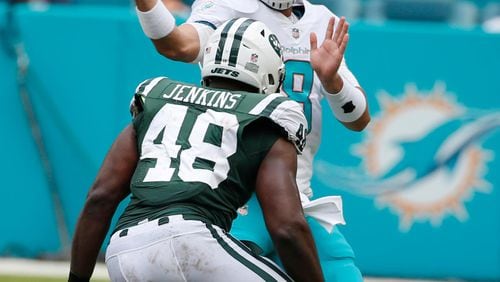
pixel 346 74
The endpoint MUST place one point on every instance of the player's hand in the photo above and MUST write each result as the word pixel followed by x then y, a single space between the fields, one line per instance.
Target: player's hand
pixel 326 59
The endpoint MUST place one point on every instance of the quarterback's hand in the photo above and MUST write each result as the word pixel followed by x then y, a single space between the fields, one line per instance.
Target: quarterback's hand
pixel 326 59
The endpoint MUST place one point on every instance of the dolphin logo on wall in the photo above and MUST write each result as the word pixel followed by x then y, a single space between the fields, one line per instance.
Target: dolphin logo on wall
pixel 422 157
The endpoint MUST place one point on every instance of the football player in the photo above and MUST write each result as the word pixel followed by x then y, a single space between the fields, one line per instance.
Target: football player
pixel 192 156
pixel 313 41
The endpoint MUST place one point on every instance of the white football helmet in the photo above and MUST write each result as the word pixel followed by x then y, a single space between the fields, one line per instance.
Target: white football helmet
pixel 247 51
pixel 278 4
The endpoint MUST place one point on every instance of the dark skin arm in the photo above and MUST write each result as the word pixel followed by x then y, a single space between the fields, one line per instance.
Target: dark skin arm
pixel 110 187
pixel 279 199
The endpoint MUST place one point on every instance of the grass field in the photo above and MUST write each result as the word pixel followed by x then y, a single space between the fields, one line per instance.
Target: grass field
pixel 38 279
pixel 25 270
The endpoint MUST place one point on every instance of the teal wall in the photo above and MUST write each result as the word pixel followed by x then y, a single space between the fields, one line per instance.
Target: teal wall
pixel 443 221
pixel 85 63
pixel 452 227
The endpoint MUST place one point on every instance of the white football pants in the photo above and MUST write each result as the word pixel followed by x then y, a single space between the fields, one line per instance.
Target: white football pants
pixel 184 250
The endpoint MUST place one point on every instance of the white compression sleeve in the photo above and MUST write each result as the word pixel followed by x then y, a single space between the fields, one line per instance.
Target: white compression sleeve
pixel 157 22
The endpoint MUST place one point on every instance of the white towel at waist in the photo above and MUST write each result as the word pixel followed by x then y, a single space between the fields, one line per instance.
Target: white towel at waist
pixel 326 210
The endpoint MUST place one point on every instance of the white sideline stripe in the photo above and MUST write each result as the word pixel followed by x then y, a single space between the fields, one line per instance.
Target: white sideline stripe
pixel 28 267
pixel 56 269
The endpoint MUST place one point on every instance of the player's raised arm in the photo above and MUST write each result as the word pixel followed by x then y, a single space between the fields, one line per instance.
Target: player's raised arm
pixel 180 43
pixel 345 96
pixel 110 187
pixel 279 198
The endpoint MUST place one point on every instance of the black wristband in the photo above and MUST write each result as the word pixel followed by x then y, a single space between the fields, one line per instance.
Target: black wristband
pixel 73 278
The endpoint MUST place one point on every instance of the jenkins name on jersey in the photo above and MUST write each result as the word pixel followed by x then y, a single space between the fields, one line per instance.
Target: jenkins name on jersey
pixel 199 145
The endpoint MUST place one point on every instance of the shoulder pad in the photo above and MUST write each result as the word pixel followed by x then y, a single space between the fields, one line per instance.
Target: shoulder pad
pixel 147 85
pixel 290 116
pixel 141 91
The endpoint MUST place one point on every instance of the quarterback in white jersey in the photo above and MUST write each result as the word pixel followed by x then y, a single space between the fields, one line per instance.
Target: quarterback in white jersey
pixel 315 68
pixel 301 83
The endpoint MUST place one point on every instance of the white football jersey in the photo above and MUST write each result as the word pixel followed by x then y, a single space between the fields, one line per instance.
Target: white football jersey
pixel 301 83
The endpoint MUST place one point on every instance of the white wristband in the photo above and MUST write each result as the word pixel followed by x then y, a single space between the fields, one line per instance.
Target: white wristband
pixel 349 104
pixel 157 22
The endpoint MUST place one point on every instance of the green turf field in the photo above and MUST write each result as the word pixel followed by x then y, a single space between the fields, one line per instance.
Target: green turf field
pixel 37 279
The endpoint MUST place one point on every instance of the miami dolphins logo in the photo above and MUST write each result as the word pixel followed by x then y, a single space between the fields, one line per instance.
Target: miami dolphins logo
pixel 421 157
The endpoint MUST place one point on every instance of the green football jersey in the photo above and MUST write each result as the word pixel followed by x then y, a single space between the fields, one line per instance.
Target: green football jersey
pixel 200 148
